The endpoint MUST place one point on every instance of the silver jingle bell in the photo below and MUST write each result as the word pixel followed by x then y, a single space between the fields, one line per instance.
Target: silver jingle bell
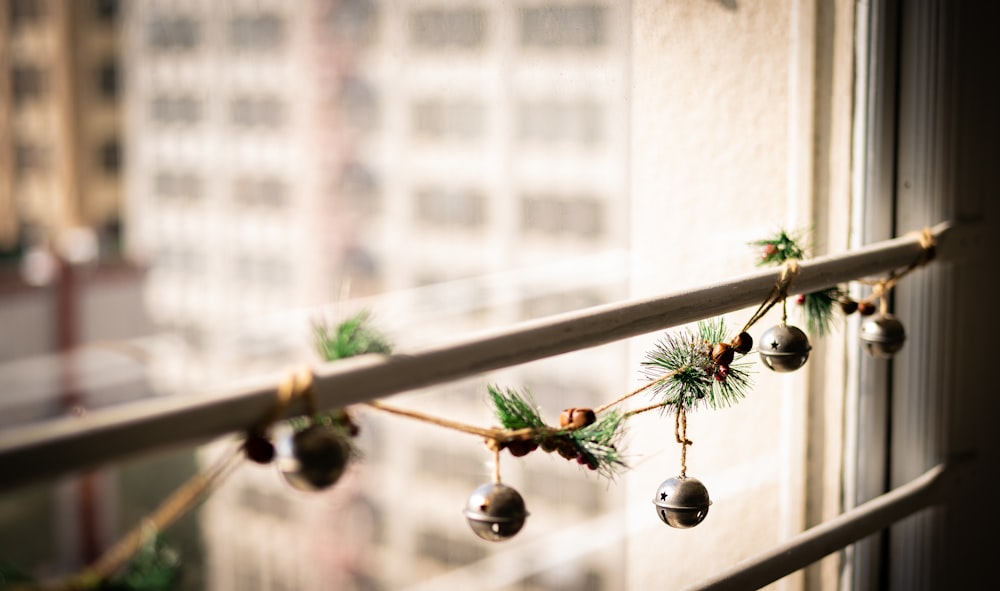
pixel 784 348
pixel 313 458
pixel 495 512
pixel 682 502
pixel 883 336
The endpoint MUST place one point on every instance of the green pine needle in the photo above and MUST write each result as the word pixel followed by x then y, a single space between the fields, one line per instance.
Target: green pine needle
pixel 780 248
pixel 598 443
pixel 155 567
pixel 595 445
pixel 819 309
pixel 351 337
pixel 686 373
pixel 515 410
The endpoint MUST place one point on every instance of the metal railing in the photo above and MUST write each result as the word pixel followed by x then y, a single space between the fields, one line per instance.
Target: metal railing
pixel 65 445
pixel 928 489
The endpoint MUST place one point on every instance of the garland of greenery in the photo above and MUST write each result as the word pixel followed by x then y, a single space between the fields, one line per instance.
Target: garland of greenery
pixel 685 370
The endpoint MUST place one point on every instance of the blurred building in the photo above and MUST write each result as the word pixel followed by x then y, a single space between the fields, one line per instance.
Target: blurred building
pixel 60 152
pixel 63 282
pixel 281 153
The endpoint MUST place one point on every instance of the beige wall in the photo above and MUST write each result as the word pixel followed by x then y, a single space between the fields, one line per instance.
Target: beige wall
pixel 740 126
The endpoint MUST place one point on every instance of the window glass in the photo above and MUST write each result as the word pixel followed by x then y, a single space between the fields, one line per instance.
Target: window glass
pixel 454 167
pixel 173 33
pixel 455 28
pixel 552 26
pixel 28 83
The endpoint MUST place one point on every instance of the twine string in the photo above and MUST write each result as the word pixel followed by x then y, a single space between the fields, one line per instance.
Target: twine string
pixel 778 294
pixel 680 434
pixel 296 385
pixel 496 464
pixel 638 390
pixel 882 287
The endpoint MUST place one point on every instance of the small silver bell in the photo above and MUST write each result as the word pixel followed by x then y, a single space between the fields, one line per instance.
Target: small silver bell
pixel 495 512
pixel 682 502
pixel 313 458
pixel 784 348
pixel 883 336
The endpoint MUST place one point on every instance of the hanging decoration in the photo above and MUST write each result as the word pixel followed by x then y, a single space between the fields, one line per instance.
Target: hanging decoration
pixel 883 336
pixel 495 511
pixel 684 370
pixel 819 307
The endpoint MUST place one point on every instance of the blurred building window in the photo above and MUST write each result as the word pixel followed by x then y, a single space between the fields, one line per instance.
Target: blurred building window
pixel 177 185
pixel 439 28
pixel 26 12
pixel 572 26
pixel 265 191
pixel 569 122
pixel 555 215
pixel 110 156
pixel 172 33
pixel 107 79
pixel 29 158
pixel 106 10
pixel 451 207
pixel 359 187
pixel 438 119
pixel 359 103
pixel 263 269
pixel 28 83
pixel 354 22
pixel 182 261
pixel 257 31
pixel 448 549
pixel 175 109
pixel 257 111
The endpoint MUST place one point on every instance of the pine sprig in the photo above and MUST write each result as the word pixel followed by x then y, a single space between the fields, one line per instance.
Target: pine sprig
pixel 594 446
pixel 779 249
pixel 155 567
pixel 515 410
pixel 597 444
pixel 349 338
pixel 687 376
pixel 820 308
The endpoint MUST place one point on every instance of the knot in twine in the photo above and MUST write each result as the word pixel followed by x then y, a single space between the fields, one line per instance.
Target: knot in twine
pixel 778 294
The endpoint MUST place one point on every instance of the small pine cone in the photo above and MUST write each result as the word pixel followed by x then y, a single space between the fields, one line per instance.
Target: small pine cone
pixel 566 449
pixel 258 448
pixel 848 305
pixel 866 308
pixel 576 418
pixel 723 353
pixel 521 448
pixel 742 343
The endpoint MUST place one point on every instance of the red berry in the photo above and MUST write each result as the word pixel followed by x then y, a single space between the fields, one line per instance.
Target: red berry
pixel 800 299
pixel 521 448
